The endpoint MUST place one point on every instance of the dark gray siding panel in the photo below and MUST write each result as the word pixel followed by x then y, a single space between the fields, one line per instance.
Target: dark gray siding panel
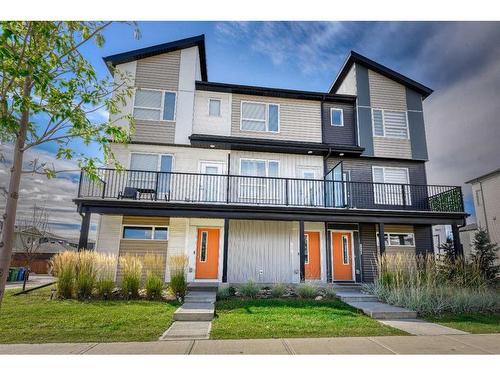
pixel 357 258
pixel 369 252
pixel 361 168
pixel 413 100
pixel 339 135
pixel 423 239
pixel 362 85
pixel 417 135
pixel 365 130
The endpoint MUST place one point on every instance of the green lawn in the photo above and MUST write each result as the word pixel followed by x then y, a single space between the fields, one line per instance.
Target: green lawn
pixel 473 323
pixel 33 318
pixel 276 318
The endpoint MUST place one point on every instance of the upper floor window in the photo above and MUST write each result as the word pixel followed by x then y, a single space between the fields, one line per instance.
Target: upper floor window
pixel 155 105
pixel 260 168
pixel 390 124
pixel 262 117
pixel 391 186
pixel 336 117
pixel 214 107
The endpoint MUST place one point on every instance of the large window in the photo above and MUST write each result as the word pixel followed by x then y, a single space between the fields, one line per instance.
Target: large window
pixel 398 239
pixel 263 117
pixel 391 186
pixel 336 117
pixel 258 188
pixel 143 176
pixel 389 124
pixel 157 233
pixel 154 105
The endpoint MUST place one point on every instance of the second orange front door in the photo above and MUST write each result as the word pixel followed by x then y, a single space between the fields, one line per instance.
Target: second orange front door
pixel 207 253
pixel 312 261
pixel 342 256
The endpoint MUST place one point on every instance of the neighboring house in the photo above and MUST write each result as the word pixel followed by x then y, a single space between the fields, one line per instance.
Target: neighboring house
pixel 272 185
pixel 486 197
pixel 467 234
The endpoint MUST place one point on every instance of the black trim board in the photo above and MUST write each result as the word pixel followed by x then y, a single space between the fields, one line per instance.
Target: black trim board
pixel 198 41
pixel 271 145
pixel 273 92
pixel 355 57
pixel 233 211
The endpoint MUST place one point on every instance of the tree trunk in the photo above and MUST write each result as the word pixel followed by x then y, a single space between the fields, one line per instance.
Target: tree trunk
pixel 7 239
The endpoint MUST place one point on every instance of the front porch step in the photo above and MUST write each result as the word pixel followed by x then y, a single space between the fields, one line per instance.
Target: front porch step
pixel 200 297
pixel 379 310
pixel 203 287
pixel 355 296
pixel 195 312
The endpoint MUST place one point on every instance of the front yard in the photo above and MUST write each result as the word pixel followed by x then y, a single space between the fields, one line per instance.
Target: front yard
pixel 280 318
pixel 33 318
pixel 472 323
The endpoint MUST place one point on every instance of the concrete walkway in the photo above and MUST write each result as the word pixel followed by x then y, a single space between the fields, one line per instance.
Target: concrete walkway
pixel 421 327
pixel 447 344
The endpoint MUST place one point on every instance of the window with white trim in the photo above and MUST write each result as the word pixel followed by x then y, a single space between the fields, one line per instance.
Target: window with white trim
pixel 261 117
pixel 142 163
pixel 391 186
pixel 398 239
pixel 258 187
pixel 214 107
pixel 139 232
pixel 390 124
pixel 154 105
pixel 336 117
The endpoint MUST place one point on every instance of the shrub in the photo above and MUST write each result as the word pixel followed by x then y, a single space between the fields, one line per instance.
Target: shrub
pixel 278 290
pixel 330 293
pixel 154 264
pixel 306 290
pixel 85 273
pixel 178 284
pixel 131 266
pixel 224 292
pixel 249 289
pixel 484 255
pixel 105 273
pixel 64 268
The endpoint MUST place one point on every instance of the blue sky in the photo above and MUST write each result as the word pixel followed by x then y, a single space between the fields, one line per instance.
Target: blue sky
pixel 460 61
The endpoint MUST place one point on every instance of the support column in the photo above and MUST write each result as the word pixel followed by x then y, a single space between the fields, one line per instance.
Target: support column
pixel 302 250
pixel 328 254
pixel 381 241
pixel 456 241
pixel 84 231
pixel 225 250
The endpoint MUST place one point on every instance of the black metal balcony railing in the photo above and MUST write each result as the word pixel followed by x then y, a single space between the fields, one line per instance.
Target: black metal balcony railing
pixel 276 191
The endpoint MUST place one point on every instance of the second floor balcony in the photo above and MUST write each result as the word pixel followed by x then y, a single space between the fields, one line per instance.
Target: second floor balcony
pixel 198 188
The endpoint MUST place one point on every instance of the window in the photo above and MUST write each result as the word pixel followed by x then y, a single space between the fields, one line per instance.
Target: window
pixel 260 168
pixel 398 239
pixel 145 233
pixel 390 124
pixel 261 117
pixel 214 107
pixel 262 189
pixel 336 117
pixel 203 246
pixel 154 105
pixel 391 186
pixel 345 249
pixel 306 248
pixel 152 163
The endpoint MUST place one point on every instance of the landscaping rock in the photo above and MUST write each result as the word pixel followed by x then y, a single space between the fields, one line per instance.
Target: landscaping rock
pixel 319 298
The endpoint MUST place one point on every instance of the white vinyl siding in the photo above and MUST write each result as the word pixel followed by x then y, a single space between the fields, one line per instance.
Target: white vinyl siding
pixel 391 194
pixel 154 105
pixel 390 124
pixel 261 117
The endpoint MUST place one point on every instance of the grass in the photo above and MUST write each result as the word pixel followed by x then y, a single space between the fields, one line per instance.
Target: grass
pixel 472 323
pixel 33 318
pixel 279 318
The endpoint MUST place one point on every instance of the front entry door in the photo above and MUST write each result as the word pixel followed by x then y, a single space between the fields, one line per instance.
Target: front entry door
pixel 342 256
pixel 207 253
pixel 312 261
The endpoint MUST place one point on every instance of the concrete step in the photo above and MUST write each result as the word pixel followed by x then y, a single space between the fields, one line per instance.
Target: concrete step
pixel 203 287
pixel 356 296
pixel 379 310
pixel 193 311
pixel 200 297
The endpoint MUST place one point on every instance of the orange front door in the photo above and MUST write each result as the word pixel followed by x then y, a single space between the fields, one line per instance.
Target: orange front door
pixel 342 255
pixel 207 253
pixel 312 262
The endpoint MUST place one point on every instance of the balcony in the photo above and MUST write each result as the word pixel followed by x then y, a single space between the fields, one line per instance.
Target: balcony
pixel 197 188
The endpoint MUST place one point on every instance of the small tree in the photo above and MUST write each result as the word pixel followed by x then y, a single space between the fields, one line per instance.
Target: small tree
pixel 448 259
pixel 484 255
pixel 32 231
pixel 48 93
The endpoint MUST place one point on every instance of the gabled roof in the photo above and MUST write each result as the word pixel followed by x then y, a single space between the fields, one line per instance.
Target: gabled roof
pixel 199 41
pixel 482 177
pixel 355 57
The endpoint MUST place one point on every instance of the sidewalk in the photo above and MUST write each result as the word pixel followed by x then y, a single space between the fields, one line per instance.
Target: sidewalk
pixel 448 344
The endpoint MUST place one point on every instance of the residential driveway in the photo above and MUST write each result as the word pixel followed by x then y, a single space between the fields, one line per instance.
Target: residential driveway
pixel 35 280
pixel 447 344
